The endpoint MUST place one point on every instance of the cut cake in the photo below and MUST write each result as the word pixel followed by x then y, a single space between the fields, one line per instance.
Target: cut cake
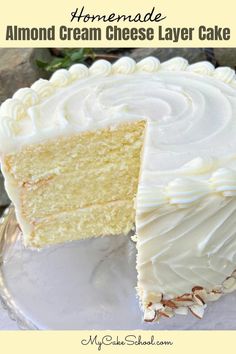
pixel 93 152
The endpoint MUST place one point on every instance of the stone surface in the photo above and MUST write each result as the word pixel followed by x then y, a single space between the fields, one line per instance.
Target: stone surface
pixel 191 54
pixel 225 57
pixel 18 68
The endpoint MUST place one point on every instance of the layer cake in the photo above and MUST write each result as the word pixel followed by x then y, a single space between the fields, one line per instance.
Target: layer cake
pixel 94 151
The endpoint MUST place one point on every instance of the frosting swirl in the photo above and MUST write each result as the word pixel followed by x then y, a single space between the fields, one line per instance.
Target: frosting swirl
pixel 60 78
pixel 43 88
pixel 149 64
pixel 124 66
pixel 204 68
pixel 13 108
pixel 100 67
pixel 78 71
pixel 27 96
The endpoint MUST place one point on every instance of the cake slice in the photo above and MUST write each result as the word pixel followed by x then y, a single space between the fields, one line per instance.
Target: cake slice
pixel 93 152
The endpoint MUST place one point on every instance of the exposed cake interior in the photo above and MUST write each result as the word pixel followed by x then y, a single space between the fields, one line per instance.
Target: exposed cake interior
pixel 77 186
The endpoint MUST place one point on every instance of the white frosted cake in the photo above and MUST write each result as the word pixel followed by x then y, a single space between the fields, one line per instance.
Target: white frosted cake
pixel 93 152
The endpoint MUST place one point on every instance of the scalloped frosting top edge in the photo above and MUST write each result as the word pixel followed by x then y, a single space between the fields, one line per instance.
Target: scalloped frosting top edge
pixel 15 108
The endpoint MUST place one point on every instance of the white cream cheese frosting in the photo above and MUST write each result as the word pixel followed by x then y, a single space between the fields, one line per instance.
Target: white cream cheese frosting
pixel 186 206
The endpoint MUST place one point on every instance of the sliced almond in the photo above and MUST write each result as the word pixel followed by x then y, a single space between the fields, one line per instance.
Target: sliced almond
pixel 134 238
pixel 184 300
pixel 197 288
pixel 181 310
pixel 234 274
pixel 162 313
pixel 149 315
pixel 201 294
pixel 217 289
pixel 229 290
pixel 197 310
pixel 184 297
pixel 157 307
pixel 169 303
pixel 198 300
pixel 166 313
pixel 213 296
pixel 229 283
pixel 184 303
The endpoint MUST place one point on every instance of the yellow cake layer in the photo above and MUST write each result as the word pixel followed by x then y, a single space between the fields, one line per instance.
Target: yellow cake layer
pixel 69 154
pixel 109 219
pixel 85 188
pixel 77 186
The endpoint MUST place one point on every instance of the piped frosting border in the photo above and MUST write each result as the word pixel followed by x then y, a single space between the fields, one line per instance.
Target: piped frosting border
pixel 14 109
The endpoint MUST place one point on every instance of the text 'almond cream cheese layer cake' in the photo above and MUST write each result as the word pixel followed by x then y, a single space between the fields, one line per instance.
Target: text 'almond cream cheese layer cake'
pixel 93 152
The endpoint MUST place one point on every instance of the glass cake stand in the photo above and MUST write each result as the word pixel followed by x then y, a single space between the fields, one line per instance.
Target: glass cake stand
pixel 83 285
